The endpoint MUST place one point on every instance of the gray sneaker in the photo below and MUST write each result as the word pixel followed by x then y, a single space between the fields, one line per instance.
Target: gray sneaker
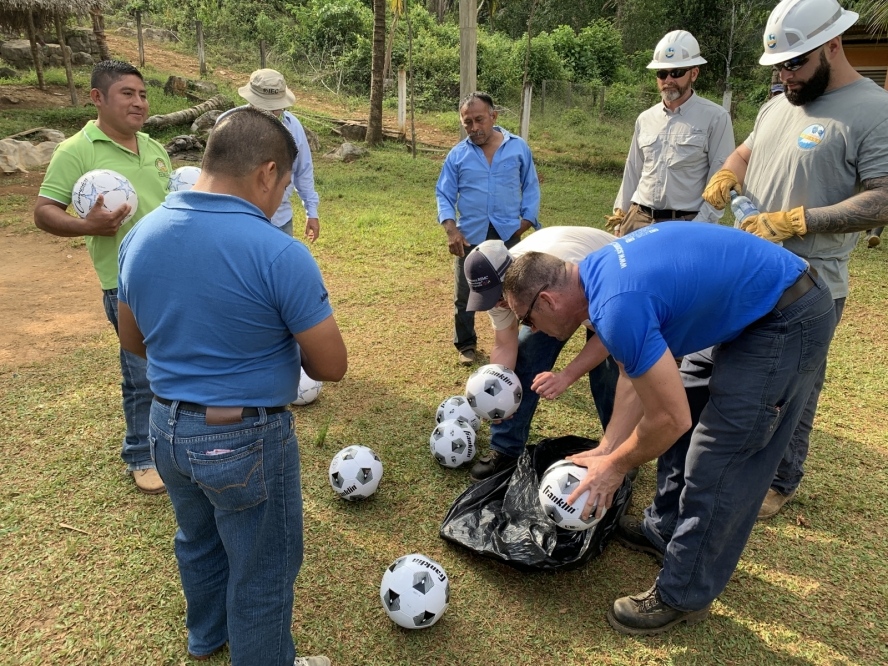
pixel 312 661
pixel 467 357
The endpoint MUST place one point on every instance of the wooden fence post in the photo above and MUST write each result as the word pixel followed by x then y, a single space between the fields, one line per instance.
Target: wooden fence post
pixel 543 99
pixel 141 38
pixel 402 102
pixel 36 51
pixel 262 54
pixel 524 123
pixel 66 58
pixel 200 50
pixel 601 102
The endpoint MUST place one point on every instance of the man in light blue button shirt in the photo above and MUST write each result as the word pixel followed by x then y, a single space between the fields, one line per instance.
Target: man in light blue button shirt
pixel 489 177
pixel 268 91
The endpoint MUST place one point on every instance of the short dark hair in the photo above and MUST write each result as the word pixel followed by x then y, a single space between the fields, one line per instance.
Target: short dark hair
pixel 477 95
pixel 107 72
pixel 247 138
pixel 531 271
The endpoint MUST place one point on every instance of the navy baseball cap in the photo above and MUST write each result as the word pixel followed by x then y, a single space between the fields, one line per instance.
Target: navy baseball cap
pixel 485 268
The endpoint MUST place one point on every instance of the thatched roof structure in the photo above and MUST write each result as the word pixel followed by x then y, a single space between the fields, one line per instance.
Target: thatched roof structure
pixel 14 13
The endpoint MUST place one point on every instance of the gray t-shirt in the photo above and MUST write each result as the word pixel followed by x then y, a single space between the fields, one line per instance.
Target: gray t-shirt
pixel 816 155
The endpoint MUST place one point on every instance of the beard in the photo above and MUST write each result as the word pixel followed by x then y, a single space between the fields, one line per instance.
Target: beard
pixel 813 87
pixel 672 94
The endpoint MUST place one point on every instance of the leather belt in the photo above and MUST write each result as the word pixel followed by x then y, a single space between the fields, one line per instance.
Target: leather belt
pixel 797 289
pixel 221 415
pixel 655 214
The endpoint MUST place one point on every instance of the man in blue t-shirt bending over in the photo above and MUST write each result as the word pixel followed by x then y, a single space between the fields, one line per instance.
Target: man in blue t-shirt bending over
pixel 657 294
pixel 229 311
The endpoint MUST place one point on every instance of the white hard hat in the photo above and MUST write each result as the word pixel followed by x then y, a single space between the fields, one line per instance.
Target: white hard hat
pixel 796 27
pixel 677 49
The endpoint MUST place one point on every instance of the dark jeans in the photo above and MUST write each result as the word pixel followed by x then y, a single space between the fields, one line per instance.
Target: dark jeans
pixel 137 398
pixel 710 486
pixel 464 336
pixel 537 352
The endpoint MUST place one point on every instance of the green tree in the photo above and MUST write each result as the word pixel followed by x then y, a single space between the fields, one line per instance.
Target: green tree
pixel 374 122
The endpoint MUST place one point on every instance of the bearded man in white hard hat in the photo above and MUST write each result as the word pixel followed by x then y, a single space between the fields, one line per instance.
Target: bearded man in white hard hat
pixel 678 145
pixel 815 165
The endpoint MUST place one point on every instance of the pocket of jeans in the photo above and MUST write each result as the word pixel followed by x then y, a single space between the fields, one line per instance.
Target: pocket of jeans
pixel 816 337
pixel 233 480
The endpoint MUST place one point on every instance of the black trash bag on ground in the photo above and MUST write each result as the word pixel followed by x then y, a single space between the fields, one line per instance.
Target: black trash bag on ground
pixel 501 517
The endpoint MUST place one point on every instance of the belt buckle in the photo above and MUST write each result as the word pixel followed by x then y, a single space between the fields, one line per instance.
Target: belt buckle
pixel 224 415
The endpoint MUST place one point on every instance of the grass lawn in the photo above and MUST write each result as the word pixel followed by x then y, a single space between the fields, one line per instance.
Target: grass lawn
pixel 87 572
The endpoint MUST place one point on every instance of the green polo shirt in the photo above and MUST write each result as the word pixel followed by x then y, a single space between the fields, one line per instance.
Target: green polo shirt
pixel 89 149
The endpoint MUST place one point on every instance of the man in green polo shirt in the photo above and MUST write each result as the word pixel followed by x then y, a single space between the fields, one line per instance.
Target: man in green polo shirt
pixel 113 141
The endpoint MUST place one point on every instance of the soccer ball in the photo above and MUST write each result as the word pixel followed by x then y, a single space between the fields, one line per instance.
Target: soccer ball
pixel 457 407
pixel 116 188
pixel 308 391
pixel 493 391
pixel 415 591
pixel 355 472
pixel 453 442
pixel 183 179
pixel 556 484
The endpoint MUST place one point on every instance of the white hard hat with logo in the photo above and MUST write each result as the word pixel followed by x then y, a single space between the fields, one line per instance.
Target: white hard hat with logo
pixel 677 49
pixel 796 27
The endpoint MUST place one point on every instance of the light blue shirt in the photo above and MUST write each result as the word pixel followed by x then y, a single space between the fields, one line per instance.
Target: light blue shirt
pixel 303 173
pixel 501 193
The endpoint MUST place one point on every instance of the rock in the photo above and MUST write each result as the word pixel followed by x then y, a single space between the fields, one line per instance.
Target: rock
pixel 347 152
pixel 353 132
pixel 205 122
pixel 184 143
pixel 314 143
pixel 126 31
pixel 205 88
pixel 176 85
pixel 9 99
pixel 20 156
pixel 159 35
pixel 8 73
pixel 82 58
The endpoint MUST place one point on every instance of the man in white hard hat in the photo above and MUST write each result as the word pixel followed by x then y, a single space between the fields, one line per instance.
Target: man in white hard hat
pixel 268 91
pixel 816 165
pixel 678 145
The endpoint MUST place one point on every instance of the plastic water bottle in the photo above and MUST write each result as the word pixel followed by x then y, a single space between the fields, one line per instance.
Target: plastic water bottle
pixel 742 208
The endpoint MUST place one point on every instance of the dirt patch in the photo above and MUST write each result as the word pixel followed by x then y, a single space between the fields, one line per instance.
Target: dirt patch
pixel 50 297
pixel 30 97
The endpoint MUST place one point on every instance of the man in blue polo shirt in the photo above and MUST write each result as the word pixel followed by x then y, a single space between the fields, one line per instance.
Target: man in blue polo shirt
pixel 228 311
pixel 657 294
pixel 489 177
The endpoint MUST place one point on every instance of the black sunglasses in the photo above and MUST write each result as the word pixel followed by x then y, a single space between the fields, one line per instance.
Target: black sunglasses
pixel 795 64
pixel 674 73
pixel 526 319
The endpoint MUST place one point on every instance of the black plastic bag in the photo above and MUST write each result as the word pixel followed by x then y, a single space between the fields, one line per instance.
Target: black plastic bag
pixel 501 517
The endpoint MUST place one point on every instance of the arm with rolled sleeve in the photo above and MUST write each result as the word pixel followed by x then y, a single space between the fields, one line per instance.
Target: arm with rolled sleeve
pixel 721 146
pixel 530 190
pixel 631 174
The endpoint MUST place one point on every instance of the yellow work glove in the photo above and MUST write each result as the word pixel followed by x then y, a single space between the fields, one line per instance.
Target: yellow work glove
pixel 777 227
pixel 614 221
pixel 718 190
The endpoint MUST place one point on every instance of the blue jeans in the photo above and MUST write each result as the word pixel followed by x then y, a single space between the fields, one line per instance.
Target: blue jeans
pixel 791 469
pixel 710 491
pixel 136 397
pixel 236 494
pixel 537 352
pixel 287 228
pixel 464 336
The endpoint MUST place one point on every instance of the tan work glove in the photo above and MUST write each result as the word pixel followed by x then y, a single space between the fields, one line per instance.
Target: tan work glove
pixel 777 227
pixel 614 221
pixel 718 190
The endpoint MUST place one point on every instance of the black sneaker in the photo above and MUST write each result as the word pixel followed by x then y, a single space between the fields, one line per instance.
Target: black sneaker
pixel 630 535
pixel 490 464
pixel 646 614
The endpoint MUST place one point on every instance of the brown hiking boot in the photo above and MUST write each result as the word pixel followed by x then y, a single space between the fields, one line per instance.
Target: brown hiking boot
pixel 148 481
pixel 646 614
pixel 774 501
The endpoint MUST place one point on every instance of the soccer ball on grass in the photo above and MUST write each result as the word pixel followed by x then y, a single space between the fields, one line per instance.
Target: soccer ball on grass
pixel 457 407
pixel 453 442
pixel 355 472
pixel 415 591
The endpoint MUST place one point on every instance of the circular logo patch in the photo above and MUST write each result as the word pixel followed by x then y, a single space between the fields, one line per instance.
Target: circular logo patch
pixel 772 41
pixel 811 136
pixel 670 51
pixel 160 165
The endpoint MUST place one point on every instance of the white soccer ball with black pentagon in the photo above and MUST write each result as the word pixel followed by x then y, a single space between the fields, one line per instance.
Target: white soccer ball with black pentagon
pixel 116 189
pixel 493 391
pixel 309 390
pixel 457 407
pixel 453 442
pixel 415 591
pixel 183 178
pixel 355 472
pixel 556 485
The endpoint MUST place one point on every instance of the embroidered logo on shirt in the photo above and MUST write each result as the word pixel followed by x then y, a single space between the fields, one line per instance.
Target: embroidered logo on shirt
pixel 811 136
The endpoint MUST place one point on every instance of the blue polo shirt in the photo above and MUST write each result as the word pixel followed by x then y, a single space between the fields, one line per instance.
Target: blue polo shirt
pixel 218 293
pixel 682 286
pixel 501 193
